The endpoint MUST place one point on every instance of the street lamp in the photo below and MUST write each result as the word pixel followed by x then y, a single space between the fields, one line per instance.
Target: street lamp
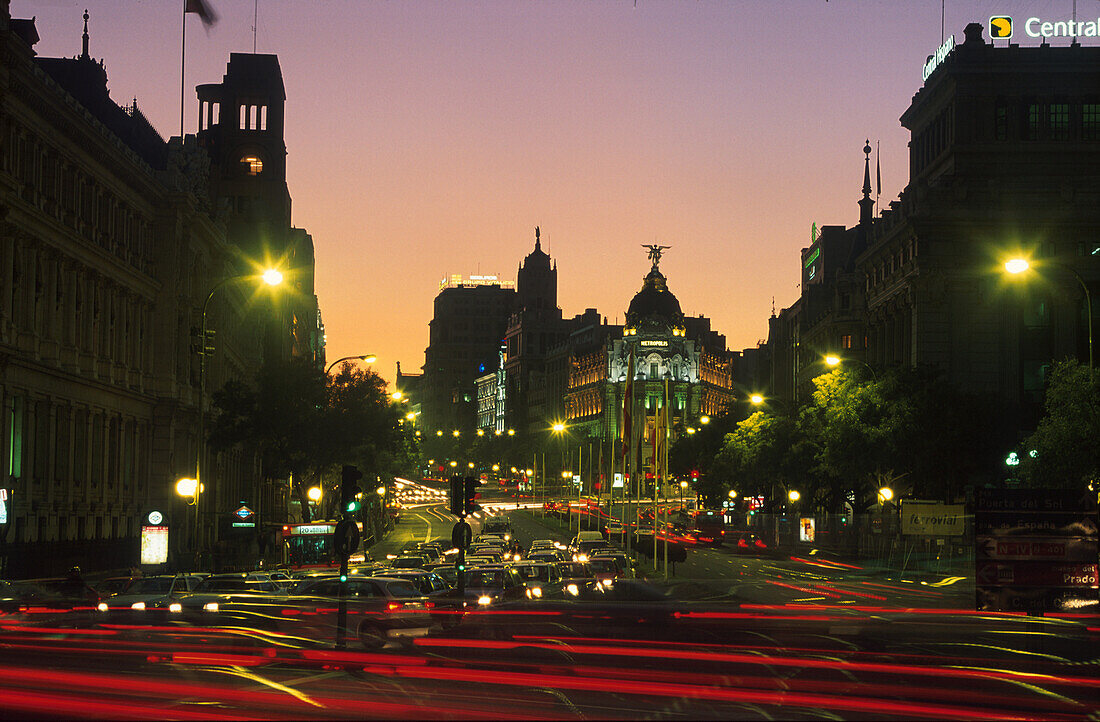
pixel 733 493
pixel 271 277
pixel 885 494
pixel 186 488
pixel 369 358
pixel 1016 266
pixel 683 485
pixel 314 494
pixel 793 495
pixel 756 399
pixel 704 420
pixel 833 360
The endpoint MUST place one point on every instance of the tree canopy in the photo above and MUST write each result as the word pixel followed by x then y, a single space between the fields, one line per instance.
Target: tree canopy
pixel 305 422
pixel 1066 443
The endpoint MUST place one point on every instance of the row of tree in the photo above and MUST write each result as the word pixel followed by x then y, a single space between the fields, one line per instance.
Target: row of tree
pixel 306 423
pixel 904 428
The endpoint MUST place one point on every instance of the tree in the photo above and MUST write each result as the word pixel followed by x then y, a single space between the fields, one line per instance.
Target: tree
pixel 1067 440
pixel 761 451
pixel 305 422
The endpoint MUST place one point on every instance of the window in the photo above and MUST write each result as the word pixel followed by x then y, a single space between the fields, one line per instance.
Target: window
pixel 252 165
pixel 1034 120
pixel 15 439
pixel 1059 121
pixel 846 341
pixel 1000 121
pixel 1090 121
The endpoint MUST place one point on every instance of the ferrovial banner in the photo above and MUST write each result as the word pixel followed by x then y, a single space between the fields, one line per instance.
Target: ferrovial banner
pixel 932 518
pixel 1001 27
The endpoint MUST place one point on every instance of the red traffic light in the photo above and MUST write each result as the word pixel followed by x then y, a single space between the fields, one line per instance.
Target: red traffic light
pixel 694 474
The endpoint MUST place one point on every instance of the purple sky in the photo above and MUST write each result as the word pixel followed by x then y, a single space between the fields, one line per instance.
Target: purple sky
pixel 430 138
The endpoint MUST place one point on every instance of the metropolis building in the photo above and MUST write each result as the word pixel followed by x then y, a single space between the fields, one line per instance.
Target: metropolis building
pixel 111 240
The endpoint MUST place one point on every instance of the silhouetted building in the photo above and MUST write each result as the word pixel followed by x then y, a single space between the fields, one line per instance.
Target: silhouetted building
pixel 464 343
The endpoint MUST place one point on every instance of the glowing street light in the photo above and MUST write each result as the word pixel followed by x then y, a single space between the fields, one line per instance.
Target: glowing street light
pixel 832 360
pixel 272 277
pixel 381 491
pixel 733 493
pixel 187 487
pixel 885 494
pixel 704 419
pixel 366 358
pixel 314 494
pixel 1017 266
pixel 456 433
pixel 793 495
pixel 558 427
pixel 756 399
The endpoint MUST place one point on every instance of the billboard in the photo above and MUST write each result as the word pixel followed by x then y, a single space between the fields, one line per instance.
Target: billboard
pixel 154 544
pixel 932 518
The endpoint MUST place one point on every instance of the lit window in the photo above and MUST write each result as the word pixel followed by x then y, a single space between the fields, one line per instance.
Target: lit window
pixel 845 341
pixel 252 165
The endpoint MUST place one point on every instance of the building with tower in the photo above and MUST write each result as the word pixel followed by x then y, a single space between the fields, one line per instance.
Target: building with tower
pixel 241 128
pixel 534 327
pixel 1003 162
pixel 111 241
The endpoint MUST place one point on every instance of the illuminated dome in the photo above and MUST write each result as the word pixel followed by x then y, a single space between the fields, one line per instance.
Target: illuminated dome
pixel 654 300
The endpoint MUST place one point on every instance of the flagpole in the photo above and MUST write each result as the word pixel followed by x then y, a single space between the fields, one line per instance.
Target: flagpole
pixel 183 65
pixel 664 472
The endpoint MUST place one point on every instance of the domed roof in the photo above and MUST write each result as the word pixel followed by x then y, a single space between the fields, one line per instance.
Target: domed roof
pixel 654 300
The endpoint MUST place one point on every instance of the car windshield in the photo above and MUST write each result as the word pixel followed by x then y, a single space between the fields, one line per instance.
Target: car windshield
pixel 155 585
pixel 484 578
pixel 533 572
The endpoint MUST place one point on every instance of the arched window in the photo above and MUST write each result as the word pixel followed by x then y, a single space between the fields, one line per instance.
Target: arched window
pixel 252 164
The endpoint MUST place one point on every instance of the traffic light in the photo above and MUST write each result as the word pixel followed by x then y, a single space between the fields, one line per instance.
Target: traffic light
pixel 694 473
pixel 457 507
pixel 469 494
pixel 349 490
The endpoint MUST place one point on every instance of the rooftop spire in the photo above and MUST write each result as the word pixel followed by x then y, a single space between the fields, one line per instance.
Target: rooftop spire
pixel 866 205
pixel 84 53
pixel 537 247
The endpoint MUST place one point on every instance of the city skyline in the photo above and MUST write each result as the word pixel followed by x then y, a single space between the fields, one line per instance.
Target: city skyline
pixel 724 130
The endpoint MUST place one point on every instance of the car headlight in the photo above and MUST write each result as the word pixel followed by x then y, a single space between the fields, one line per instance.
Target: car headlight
pixel 581 558
pixel 507 537
pixel 102 606
pixel 572 589
pixel 210 606
pixel 140 606
pixel 606 582
pixel 175 607
pixel 484 600
pixel 536 591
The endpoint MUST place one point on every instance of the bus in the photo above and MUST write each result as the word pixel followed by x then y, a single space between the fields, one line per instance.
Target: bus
pixel 708 527
pixel 310 546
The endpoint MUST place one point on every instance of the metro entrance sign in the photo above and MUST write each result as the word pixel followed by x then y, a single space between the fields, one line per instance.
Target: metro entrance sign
pixel 1035 550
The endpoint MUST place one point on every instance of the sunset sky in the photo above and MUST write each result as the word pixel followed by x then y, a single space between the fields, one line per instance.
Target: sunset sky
pixel 430 138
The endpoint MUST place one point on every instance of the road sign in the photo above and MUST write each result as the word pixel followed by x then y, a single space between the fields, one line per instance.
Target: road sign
pixel 243 512
pixel 462 535
pixel 930 518
pixel 1035 550
pixel 1034 524
pixel 1081 576
pixel 1063 549
pixel 345 537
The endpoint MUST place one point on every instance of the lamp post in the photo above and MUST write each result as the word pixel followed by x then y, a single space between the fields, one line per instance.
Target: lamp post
pixel 834 361
pixel 1017 266
pixel 369 358
pixel 271 277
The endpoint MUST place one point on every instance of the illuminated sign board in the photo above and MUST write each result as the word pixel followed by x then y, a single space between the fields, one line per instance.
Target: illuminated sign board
pixel 1037 28
pixel 618 482
pixel 941 53
pixel 243 513
pixel 806 529
pixel 653 343
pixel 1000 27
pixel 576 480
pixel 155 518
pixel 3 506
pixel 813 257
pixel 154 544
pixel 312 529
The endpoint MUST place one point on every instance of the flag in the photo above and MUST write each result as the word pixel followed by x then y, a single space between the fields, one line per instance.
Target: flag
pixel 628 402
pixel 878 171
pixel 202 9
